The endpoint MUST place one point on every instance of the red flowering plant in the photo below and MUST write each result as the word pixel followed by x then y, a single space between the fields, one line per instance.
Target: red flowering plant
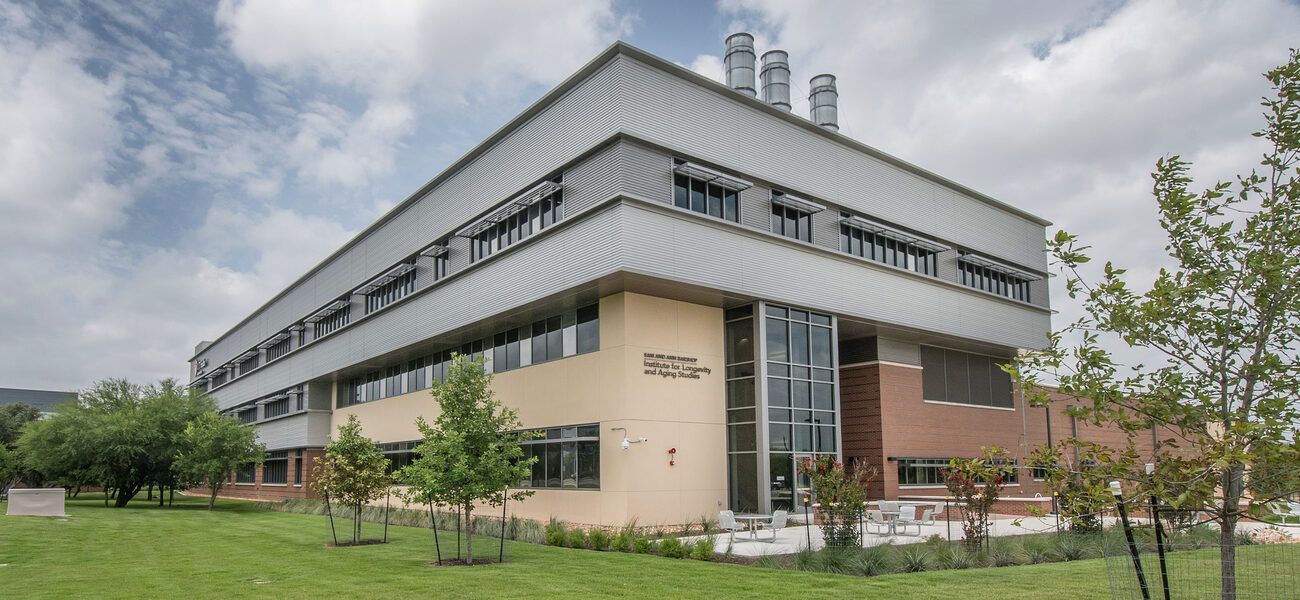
pixel 839 494
pixel 976 484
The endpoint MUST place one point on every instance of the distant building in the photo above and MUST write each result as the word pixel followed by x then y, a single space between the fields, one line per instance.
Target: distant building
pixel 44 400
pixel 648 253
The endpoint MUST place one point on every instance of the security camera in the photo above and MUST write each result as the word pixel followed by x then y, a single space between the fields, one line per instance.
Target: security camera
pixel 627 443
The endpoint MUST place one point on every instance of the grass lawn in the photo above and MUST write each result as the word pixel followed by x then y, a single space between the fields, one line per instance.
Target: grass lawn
pixel 185 551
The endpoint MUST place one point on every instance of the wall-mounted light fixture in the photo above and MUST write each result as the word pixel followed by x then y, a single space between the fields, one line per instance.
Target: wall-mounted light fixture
pixel 627 443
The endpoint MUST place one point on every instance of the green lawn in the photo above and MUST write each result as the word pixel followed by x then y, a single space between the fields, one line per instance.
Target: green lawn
pixel 185 551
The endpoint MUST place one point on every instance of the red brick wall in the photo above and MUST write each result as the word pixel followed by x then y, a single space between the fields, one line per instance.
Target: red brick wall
pixel 884 415
pixel 273 492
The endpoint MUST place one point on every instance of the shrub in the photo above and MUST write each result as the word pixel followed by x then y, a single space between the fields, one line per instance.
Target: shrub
pixel 555 533
pixel 599 539
pixel 671 548
pixel 1071 547
pixel 703 548
pixel 872 561
pixel 955 557
pixel 577 538
pixel 1037 550
pixel 622 542
pixel 914 558
pixel 642 545
pixel 805 560
pixel 1004 553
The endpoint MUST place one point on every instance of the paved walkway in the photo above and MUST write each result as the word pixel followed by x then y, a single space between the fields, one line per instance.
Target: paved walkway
pixel 796 537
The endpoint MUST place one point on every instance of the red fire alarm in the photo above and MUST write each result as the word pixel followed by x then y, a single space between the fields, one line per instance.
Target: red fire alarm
pixel 672 456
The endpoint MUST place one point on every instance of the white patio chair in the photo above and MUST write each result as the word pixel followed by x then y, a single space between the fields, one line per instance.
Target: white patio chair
pixel 888 506
pixel 876 519
pixel 907 518
pixel 927 516
pixel 1295 510
pixel 779 519
pixel 727 522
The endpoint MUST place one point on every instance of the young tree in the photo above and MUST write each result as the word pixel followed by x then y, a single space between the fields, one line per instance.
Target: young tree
pixel 353 472
pixel 213 445
pixel 1226 320
pixel 469 454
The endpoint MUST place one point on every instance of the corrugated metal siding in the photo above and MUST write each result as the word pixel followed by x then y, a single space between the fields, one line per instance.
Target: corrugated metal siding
pixel 731 260
pixel 678 114
pixel 756 207
pixel 576 122
pixel 826 228
pixel 594 179
pixel 647 173
pixel 532 270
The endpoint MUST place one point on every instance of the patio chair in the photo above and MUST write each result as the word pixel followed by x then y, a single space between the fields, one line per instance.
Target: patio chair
pixel 877 520
pixel 1295 509
pixel 779 519
pixel 927 516
pixel 888 506
pixel 727 522
pixel 906 519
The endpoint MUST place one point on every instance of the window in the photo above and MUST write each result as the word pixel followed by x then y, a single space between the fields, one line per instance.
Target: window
pixel 244 474
pixel 993 277
pixel 331 318
pixel 275 467
pixel 219 378
pixel 964 378
pixel 276 408
pixel 873 241
pixel 248 364
pixel 302 334
pixel 248 415
pixel 800 391
pixel 703 190
pixel 921 471
pixel 567 457
pixel 533 211
pixel 574 332
pixel 742 417
pixel 297 468
pixel 399 454
pixel 792 217
pixel 278 349
pixel 390 287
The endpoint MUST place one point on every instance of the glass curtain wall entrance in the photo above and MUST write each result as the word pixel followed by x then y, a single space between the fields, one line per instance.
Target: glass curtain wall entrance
pixel 782 401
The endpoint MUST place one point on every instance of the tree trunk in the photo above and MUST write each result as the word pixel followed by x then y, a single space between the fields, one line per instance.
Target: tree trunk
pixel 356 524
pixel 213 498
pixel 124 496
pixel 171 495
pixel 469 537
pixel 1232 484
pixel 150 493
pixel 160 496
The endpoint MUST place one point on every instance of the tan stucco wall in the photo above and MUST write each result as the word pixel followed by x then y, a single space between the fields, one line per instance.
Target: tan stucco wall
pixel 610 387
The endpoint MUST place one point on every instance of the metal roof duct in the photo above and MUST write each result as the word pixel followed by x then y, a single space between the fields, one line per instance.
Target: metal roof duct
pixel 740 63
pixel 824 102
pixel 776 79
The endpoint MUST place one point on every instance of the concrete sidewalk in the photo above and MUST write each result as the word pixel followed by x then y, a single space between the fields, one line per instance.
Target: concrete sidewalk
pixel 796 537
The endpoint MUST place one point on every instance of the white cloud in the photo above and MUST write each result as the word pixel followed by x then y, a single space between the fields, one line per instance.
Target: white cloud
pixel 1060 109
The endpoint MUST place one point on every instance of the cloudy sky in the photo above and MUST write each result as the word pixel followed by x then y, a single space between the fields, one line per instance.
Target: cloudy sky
pixel 165 168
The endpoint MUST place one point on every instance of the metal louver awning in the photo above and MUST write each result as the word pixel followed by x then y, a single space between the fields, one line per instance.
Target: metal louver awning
pixel 893 234
pixel 435 251
pixel 387 277
pixel 708 175
pixel 518 203
pixel 994 265
pixel 799 204
pixel 275 339
pixel 330 309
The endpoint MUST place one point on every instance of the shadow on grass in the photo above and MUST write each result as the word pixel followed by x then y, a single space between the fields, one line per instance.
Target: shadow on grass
pixel 181 504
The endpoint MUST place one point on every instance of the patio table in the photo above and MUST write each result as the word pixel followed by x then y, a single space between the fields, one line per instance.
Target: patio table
pixel 752 521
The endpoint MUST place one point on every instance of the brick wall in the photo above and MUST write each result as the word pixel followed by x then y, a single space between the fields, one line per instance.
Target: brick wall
pixel 884 415
pixel 276 492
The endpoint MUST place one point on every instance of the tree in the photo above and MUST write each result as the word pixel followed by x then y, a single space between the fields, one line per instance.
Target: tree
pixel 1225 320
pixel 471 453
pixel 213 445
pixel 118 433
pixel 12 419
pixel 353 472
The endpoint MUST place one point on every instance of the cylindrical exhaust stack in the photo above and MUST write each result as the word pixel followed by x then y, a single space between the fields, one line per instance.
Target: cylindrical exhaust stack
pixel 740 63
pixel 824 102
pixel 776 79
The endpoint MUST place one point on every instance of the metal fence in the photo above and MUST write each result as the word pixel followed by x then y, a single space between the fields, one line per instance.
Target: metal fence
pixel 1181 557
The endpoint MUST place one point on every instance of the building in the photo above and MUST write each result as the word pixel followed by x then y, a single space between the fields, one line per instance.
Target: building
pixel 688 288
pixel 43 400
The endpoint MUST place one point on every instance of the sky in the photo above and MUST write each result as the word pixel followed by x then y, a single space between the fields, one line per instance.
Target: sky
pixel 168 167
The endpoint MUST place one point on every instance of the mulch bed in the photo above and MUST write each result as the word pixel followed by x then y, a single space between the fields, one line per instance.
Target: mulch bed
pixel 458 562
pixel 361 543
